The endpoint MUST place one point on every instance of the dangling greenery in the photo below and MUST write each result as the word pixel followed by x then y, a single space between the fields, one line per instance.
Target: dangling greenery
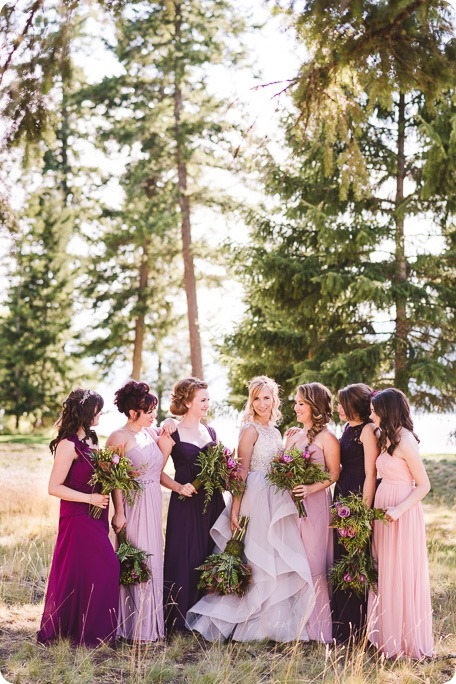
pixel 344 284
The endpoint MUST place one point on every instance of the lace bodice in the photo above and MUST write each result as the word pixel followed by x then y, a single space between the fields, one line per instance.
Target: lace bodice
pixel 266 447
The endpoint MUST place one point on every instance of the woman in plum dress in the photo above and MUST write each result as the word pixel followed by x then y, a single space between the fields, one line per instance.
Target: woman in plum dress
pixel 141 605
pixel 83 589
pixel 399 617
pixel 188 541
pixel 358 454
pixel 313 407
pixel 281 596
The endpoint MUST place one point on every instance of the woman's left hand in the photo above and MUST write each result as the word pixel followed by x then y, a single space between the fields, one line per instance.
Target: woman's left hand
pixel 168 427
pixel 392 514
pixel 301 491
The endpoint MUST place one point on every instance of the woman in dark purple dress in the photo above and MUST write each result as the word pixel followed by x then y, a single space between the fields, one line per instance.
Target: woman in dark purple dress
pixel 358 454
pixel 83 589
pixel 188 541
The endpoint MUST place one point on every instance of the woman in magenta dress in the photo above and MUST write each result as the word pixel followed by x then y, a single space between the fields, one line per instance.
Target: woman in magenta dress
pixel 141 605
pixel 188 541
pixel 313 407
pixel 399 617
pixel 358 454
pixel 83 589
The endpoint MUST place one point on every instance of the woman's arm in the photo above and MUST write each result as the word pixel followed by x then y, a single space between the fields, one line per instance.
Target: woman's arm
pixel 331 450
pixel 165 444
pixel 65 454
pixel 407 449
pixel 119 521
pixel 247 441
pixel 370 446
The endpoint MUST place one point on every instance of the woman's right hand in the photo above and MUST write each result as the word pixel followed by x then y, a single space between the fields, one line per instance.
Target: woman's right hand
pixel 99 500
pixel 234 521
pixel 186 489
pixel 118 522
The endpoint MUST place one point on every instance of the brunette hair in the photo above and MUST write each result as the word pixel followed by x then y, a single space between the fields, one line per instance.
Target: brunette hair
pixel 355 400
pixel 183 393
pixel 256 384
pixel 320 400
pixel 393 409
pixel 135 396
pixel 78 411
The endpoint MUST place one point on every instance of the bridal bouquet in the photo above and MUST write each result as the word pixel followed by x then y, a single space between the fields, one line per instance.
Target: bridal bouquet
pixel 113 470
pixel 220 471
pixel 133 562
pixel 352 518
pixel 226 573
pixel 292 467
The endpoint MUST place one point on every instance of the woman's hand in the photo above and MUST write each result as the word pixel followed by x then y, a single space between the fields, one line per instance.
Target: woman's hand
pixel 302 491
pixel 118 522
pixel 234 521
pixel 168 427
pixel 99 500
pixel 392 514
pixel 186 489
pixel 292 431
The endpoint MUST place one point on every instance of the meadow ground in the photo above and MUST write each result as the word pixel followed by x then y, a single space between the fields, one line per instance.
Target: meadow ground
pixel 28 521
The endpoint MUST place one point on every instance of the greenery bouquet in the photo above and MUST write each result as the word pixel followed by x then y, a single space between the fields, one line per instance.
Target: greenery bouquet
pixel 226 573
pixel 352 518
pixel 220 471
pixel 293 467
pixel 133 562
pixel 113 470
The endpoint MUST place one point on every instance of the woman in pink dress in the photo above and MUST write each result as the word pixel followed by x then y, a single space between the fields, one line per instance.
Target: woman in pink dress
pixel 83 589
pixel 400 615
pixel 313 407
pixel 141 605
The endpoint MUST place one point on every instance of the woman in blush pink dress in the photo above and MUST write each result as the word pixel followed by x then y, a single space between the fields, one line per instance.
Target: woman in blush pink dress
pixel 313 407
pixel 400 615
pixel 141 605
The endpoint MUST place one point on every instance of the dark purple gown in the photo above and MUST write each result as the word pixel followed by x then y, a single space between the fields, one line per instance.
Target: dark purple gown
pixel 348 610
pixel 188 540
pixel 83 589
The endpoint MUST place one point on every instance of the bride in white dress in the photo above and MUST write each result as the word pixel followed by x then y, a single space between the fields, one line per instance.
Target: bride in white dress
pixel 281 596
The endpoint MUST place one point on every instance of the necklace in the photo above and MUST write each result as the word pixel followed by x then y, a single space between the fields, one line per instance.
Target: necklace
pixel 134 432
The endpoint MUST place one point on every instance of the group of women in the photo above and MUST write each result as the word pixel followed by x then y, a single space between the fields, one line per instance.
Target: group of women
pixel 289 597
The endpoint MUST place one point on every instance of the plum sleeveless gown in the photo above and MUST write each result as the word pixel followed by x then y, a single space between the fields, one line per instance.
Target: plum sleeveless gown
pixel 141 605
pixel 281 596
pixel 399 618
pixel 83 590
pixel 317 539
pixel 188 541
pixel 348 609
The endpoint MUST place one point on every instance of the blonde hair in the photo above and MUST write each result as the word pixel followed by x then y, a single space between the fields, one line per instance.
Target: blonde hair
pixel 183 393
pixel 320 400
pixel 255 386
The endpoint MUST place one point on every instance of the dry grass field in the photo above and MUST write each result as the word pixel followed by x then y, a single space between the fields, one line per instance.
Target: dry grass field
pixel 28 523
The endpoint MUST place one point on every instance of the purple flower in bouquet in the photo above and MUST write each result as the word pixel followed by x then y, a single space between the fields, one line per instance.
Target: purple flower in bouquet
pixel 306 454
pixel 351 532
pixel 116 458
pixel 286 458
pixel 348 577
pixel 343 511
pixel 231 463
pixel 343 532
pixel 361 578
pixel 227 452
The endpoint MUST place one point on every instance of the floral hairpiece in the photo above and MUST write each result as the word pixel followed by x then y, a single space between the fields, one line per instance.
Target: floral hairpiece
pixel 86 394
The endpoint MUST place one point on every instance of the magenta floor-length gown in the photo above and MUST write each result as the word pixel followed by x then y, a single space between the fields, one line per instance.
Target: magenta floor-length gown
pixel 83 590
pixel 399 617
pixel 316 536
pixel 141 605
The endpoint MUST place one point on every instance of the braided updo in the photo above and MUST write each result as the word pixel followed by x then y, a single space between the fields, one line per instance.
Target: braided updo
pixel 319 398
pixel 135 396
pixel 183 393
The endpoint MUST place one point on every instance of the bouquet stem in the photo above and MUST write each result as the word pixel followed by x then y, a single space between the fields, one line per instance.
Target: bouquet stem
pixel 96 511
pixel 299 503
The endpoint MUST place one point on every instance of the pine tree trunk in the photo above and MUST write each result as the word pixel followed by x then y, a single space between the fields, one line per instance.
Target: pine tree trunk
pixel 184 205
pixel 160 414
pixel 140 317
pixel 400 276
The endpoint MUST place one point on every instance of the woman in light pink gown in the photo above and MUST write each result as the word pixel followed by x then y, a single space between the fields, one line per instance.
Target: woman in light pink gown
pixel 313 407
pixel 400 615
pixel 141 605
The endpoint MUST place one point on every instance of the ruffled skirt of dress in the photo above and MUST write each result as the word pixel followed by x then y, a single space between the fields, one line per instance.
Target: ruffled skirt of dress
pixel 399 617
pixel 281 596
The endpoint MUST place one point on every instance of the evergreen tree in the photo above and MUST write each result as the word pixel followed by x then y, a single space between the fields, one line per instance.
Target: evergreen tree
pixel 348 292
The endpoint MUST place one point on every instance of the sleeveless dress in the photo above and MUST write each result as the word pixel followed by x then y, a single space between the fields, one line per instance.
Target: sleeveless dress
pixel 399 618
pixel 281 596
pixel 316 536
pixel 141 605
pixel 83 590
pixel 188 540
pixel 348 609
